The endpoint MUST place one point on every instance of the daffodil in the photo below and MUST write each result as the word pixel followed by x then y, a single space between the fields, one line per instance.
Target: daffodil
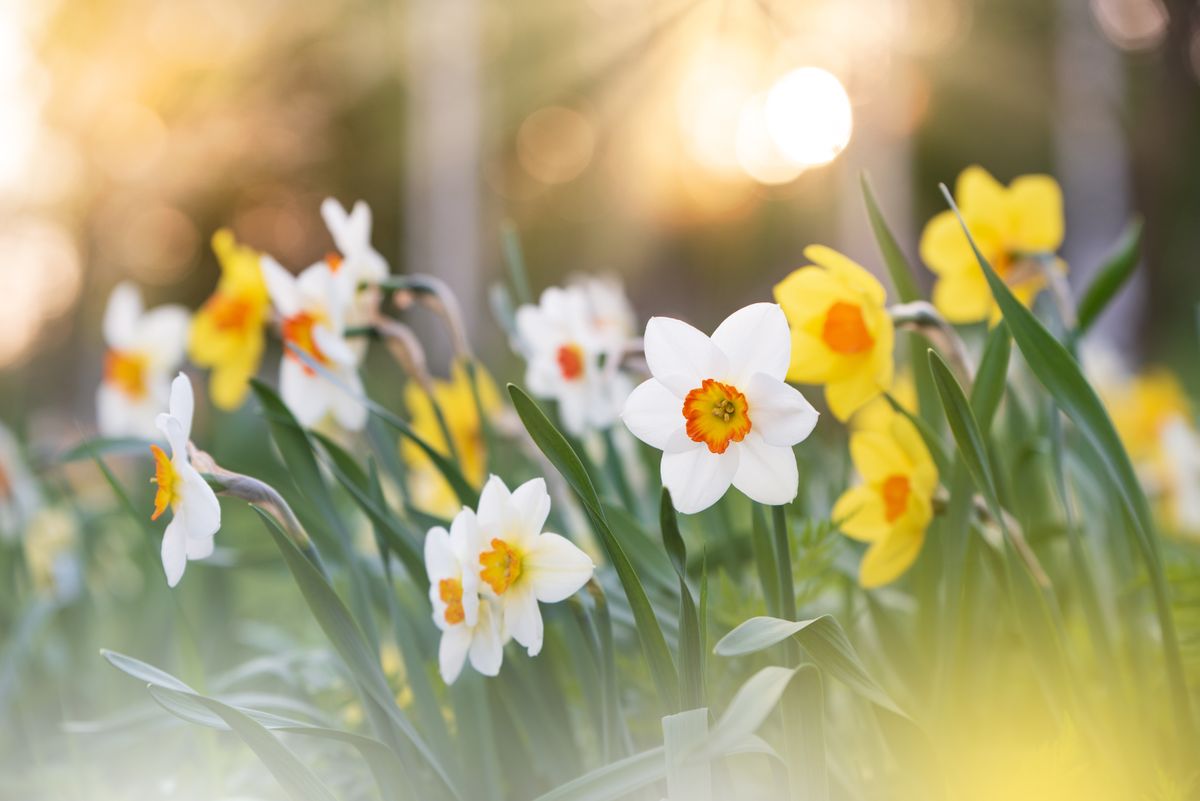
pixel 195 511
pixel 719 410
pixel 893 506
pixel 430 490
pixel 144 347
pixel 1018 229
pixel 572 350
pixel 519 564
pixel 52 553
pixel 878 412
pixel 20 497
pixel 842 335
pixel 351 232
pixel 312 308
pixel 227 333
pixel 471 626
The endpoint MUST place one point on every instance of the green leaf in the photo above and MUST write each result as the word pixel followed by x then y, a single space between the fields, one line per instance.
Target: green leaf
pixel 1117 268
pixel 963 426
pixel 100 446
pixel 684 734
pixel 556 448
pixel 764 560
pixel 806 758
pixel 893 257
pixel 824 641
pixel 691 657
pixel 144 672
pixel 991 378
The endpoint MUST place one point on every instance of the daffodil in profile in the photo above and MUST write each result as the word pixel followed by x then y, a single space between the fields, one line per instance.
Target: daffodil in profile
pixel 228 332
pixel 144 347
pixel 719 410
pixel 455 397
pixel 195 511
pixel 893 505
pixel 1018 229
pixel 362 266
pixel 519 564
pixel 472 627
pixel 842 334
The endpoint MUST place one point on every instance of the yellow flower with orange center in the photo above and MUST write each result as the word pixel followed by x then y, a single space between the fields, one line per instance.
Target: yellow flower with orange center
pixel 1018 228
pixel 842 334
pixel 893 506
pixel 227 333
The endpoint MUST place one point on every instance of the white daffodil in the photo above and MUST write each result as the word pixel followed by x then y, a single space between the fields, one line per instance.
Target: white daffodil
pixel 570 360
pixel 519 564
pixel 144 347
pixel 719 410
pixel 312 308
pixel 351 232
pixel 471 626
pixel 609 313
pixel 1181 452
pixel 195 511
pixel 20 498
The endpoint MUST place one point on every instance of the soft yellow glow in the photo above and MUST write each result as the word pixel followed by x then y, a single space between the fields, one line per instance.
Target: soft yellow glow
pixel 555 144
pixel 714 89
pixel 808 116
pixel 757 152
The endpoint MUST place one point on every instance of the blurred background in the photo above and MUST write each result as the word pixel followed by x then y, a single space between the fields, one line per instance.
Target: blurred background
pixel 692 146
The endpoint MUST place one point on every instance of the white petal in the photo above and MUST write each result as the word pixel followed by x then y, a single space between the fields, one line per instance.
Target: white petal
pixel 452 652
pixel 531 505
pixel 755 339
pixel 573 402
pixel 281 286
pixel 522 617
pixel 112 412
pixel 174 551
pixel 494 503
pixel 172 429
pixel 697 478
pixel 655 416
pixel 162 335
pixel 199 547
pixel 680 356
pixel 198 504
pixel 766 473
pixel 121 315
pixel 556 568
pixel 333 346
pixel 440 559
pixel 778 411
pixel 535 332
pixel 487 642
pixel 338 222
pixel 307 395
pixel 183 403
pixel 345 400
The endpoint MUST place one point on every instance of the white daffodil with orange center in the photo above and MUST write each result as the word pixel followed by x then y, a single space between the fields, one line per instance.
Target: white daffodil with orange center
pixel 144 347
pixel 311 308
pixel 719 409
pixel 364 266
pixel 195 511
pixel 520 565
pixel 472 627
pixel 572 359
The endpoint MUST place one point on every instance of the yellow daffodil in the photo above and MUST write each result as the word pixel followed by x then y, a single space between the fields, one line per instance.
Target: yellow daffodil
pixel 877 413
pixel 430 491
pixel 842 335
pixel 1017 228
pixel 227 332
pixel 893 506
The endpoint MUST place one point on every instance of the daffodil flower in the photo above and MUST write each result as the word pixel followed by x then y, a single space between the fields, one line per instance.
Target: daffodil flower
pixel 227 333
pixel 311 308
pixel 429 489
pixel 842 335
pixel 20 497
pixel 1015 227
pixel 471 626
pixel 362 265
pixel 572 360
pixel 195 511
pixel 519 564
pixel 144 347
pixel 719 409
pixel 892 508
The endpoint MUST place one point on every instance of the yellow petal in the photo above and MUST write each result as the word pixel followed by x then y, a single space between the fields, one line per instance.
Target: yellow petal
pixel 923 471
pixel 807 293
pixel 848 272
pixel 887 559
pixel 228 387
pixel 847 395
pixel 978 194
pixel 1035 212
pixel 964 298
pixel 859 514
pixel 812 360
pixel 877 456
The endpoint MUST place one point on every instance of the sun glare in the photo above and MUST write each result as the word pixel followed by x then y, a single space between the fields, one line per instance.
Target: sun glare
pixel 808 116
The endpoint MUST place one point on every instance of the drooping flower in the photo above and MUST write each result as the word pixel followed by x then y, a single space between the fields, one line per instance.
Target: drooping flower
pixel 195 511
pixel 144 347
pixel 1015 227
pixel 227 333
pixel 312 308
pixel 430 490
pixel 719 409
pixel 20 497
pixel 572 341
pixel 472 627
pixel 842 334
pixel 519 564
pixel 893 506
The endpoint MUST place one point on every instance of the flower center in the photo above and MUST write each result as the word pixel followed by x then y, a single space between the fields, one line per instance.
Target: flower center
pixel 501 566
pixel 717 414
pixel 570 361
pixel 451 592
pixel 230 312
pixel 127 372
pixel 167 480
pixel 895 493
pixel 845 331
pixel 298 330
pixel 334 260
